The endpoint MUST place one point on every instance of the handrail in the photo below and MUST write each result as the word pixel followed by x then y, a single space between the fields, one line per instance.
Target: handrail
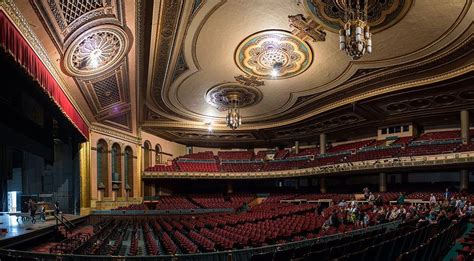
pixel 69 226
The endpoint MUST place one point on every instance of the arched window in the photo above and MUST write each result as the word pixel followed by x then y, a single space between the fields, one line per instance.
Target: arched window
pixel 128 160
pixel 102 167
pixel 146 154
pixel 116 167
pixel 158 159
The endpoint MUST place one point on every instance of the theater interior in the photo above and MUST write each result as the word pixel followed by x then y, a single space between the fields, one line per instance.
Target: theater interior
pixel 236 130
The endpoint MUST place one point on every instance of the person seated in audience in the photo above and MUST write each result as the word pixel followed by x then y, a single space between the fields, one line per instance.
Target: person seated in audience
pixel 432 199
pixel 342 204
pixel 378 200
pixel 401 199
pixel 371 198
pixel 366 192
pixel 334 220
pixel 366 220
pixel 447 194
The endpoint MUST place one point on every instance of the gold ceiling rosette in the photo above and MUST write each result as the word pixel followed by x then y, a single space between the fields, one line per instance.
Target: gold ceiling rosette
pixel 273 55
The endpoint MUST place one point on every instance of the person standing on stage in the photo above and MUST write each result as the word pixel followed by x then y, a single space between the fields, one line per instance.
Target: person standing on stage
pixel 56 208
pixel 32 209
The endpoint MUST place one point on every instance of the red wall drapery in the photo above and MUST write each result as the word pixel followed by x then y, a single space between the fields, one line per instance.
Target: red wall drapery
pixel 14 43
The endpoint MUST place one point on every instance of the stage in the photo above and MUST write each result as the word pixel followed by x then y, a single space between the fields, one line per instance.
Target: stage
pixel 19 231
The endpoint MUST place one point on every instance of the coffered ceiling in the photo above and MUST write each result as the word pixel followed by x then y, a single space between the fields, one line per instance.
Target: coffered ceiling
pixel 165 65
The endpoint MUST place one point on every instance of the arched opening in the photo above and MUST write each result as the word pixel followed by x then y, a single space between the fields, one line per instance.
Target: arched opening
pixel 128 160
pixel 146 154
pixel 102 167
pixel 116 168
pixel 158 159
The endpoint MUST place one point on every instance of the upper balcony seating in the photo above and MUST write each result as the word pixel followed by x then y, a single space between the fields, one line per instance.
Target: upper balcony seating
pixel 402 141
pixel 242 161
pixel 174 202
pixel 164 168
pixel 235 155
pixel 350 146
pixel 440 135
pixel 422 150
pixel 206 155
pixel 241 167
pixel 284 165
pixel 198 166
pixel 261 155
pixel 468 147
pixel 281 154
pixel 309 152
pixel 388 152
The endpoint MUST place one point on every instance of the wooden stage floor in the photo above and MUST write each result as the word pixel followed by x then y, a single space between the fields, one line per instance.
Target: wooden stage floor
pixel 19 231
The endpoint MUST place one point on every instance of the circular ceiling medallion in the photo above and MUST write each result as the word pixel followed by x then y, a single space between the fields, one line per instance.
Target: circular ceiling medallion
pixel 219 96
pixel 273 54
pixel 96 51
pixel 381 13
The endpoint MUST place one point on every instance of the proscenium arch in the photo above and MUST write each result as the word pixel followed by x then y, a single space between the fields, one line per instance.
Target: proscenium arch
pixel 103 167
pixel 128 175
pixel 117 167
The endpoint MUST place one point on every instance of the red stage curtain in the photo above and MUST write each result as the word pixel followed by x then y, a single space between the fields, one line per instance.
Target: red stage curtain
pixel 14 43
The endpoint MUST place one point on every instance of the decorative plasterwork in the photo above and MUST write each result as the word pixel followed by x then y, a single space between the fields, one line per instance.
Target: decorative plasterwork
pixel 66 18
pixel 121 121
pixel 219 96
pixel 103 130
pixel 95 51
pixel 381 14
pixel 306 29
pixel 273 54
pixel 249 80
pixel 108 95
pixel 434 101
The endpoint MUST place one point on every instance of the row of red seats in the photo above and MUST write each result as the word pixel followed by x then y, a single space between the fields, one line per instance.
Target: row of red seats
pixel 169 244
pixel 235 155
pixel 185 243
pixel 150 241
pixel 204 242
pixel 174 202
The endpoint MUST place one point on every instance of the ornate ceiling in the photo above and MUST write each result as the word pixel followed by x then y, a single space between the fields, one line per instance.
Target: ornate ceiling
pixel 167 66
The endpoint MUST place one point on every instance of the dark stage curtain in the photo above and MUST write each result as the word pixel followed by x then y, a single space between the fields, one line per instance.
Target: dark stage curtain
pixel 5 174
pixel 14 43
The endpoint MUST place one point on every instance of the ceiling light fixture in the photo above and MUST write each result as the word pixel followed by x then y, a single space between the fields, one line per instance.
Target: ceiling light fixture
pixel 355 37
pixel 276 68
pixel 233 118
pixel 94 57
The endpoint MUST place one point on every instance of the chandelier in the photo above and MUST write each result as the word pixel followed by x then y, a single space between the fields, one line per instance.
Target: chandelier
pixel 355 37
pixel 233 118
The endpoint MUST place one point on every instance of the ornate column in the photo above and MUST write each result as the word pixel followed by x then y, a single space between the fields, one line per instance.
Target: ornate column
pixel 382 182
pixel 322 143
pixel 85 174
pixel 464 180
pixel 297 147
pixel 465 127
